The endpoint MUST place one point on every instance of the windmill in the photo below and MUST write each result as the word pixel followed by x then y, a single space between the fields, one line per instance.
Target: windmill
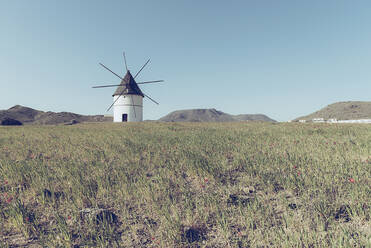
pixel 128 97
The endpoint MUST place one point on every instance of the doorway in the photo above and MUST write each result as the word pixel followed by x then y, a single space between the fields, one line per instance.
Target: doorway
pixel 124 117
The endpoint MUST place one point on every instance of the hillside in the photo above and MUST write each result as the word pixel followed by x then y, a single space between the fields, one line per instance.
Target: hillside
pixel 210 115
pixel 32 116
pixel 351 110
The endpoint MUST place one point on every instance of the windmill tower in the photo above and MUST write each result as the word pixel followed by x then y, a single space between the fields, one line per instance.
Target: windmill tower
pixel 128 97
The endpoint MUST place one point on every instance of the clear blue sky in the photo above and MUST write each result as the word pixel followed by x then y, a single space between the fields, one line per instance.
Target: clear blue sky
pixel 280 58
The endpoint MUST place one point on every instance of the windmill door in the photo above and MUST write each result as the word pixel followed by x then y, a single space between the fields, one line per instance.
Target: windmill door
pixel 124 117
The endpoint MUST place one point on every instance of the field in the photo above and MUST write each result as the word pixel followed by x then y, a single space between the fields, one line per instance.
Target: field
pixel 185 185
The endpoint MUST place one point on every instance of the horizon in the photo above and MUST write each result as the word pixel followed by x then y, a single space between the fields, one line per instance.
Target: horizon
pixel 282 59
pixel 319 117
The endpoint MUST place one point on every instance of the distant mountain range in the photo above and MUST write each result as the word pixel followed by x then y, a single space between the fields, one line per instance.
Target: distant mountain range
pixel 32 116
pixel 211 115
pixel 351 110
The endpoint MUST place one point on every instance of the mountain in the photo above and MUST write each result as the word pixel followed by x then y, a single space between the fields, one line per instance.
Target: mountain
pixel 351 110
pixel 20 113
pixel 32 116
pixel 210 115
pixel 253 117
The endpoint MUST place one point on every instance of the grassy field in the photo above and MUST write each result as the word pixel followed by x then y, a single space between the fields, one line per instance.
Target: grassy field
pixel 185 185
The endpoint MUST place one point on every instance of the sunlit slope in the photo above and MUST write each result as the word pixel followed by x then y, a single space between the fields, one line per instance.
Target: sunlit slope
pixel 351 110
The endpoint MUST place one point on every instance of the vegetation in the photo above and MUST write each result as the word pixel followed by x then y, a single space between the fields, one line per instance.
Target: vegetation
pixel 185 185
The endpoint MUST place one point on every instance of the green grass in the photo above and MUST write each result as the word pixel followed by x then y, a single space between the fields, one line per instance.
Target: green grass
pixel 185 185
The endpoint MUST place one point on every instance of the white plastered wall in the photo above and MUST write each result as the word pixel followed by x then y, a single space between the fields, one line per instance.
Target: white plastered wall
pixel 132 105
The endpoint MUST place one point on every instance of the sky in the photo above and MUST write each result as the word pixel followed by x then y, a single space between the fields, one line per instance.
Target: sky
pixel 283 58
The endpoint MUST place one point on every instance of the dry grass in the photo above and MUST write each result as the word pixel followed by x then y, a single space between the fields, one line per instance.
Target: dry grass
pixel 185 185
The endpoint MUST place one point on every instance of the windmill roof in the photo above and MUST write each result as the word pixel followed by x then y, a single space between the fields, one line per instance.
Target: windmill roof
pixel 128 86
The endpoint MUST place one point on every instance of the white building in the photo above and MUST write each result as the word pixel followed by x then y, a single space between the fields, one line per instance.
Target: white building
pixel 333 120
pixel 355 121
pixel 128 101
pixel 318 120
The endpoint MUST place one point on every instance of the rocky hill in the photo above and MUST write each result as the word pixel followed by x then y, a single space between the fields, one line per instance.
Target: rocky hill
pixel 32 116
pixel 351 110
pixel 210 115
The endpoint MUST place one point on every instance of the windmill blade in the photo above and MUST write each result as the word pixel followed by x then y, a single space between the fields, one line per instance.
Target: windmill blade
pixel 103 86
pixel 132 100
pixel 113 85
pixel 151 99
pixel 126 65
pixel 116 99
pixel 110 71
pixel 150 82
pixel 141 68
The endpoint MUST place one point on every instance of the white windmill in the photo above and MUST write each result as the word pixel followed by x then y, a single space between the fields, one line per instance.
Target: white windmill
pixel 128 97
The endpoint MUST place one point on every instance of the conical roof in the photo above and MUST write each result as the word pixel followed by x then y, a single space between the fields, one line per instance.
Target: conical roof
pixel 128 86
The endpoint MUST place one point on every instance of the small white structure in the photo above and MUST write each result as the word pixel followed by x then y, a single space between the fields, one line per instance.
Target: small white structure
pixel 128 101
pixel 333 120
pixel 318 120
pixel 355 121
